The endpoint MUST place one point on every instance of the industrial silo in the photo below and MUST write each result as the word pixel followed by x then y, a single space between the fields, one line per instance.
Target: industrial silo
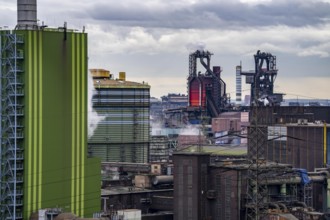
pixel 123 133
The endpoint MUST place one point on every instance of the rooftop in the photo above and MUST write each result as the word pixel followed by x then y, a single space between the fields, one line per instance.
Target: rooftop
pixel 115 83
pixel 117 190
pixel 227 150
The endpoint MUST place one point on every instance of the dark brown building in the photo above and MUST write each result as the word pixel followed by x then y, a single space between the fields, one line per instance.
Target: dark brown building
pixel 190 185
pixel 303 146
pixel 293 135
pixel 205 191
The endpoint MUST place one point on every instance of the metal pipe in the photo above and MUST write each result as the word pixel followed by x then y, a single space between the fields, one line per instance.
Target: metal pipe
pixel 200 93
pixel 320 169
pixel 239 186
pixel 325 144
pixel 163 179
pixel 302 204
pixel 283 207
pixel 207 67
pixel 274 205
pixel 283 189
pixel 281 181
pixel 321 172
pixel 291 180
pixel 328 194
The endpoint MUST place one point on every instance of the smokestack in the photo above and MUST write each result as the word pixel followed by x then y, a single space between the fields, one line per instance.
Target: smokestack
pixel 239 83
pixel 26 14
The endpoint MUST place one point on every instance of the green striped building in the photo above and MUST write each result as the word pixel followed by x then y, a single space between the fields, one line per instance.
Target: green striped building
pixel 124 133
pixel 44 161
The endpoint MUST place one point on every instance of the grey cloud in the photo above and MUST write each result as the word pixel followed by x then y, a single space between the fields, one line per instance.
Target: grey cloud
pixel 216 14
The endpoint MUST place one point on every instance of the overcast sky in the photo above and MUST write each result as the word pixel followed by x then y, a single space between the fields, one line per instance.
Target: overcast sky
pixel 151 40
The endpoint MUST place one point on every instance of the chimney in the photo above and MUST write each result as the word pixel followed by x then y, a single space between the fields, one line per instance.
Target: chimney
pixel 26 14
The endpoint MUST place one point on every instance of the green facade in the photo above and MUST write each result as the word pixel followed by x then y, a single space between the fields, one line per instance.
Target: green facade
pixel 57 171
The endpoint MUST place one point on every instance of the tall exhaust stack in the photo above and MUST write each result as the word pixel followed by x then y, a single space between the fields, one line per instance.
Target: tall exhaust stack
pixel 26 14
pixel 239 83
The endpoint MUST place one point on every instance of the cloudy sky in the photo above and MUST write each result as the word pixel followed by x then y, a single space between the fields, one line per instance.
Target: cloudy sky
pixel 151 40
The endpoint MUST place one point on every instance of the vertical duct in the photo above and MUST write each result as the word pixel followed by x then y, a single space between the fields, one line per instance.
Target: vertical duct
pixel 26 14
pixel 325 150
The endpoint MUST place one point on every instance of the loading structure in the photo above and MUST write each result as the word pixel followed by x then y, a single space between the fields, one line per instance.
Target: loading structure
pixel 206 91
pixel 262 81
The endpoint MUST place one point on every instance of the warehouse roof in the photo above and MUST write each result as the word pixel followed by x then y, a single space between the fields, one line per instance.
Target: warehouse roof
pixel 115 83
pixel 228 150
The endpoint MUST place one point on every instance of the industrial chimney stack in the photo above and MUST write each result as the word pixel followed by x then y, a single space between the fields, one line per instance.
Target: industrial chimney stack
pixel 26 14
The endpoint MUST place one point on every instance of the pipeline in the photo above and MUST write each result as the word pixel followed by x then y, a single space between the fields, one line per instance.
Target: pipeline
pixel 274 205
pixel 163 179
pixel 291 180
pixel 282 206
pixel 301 204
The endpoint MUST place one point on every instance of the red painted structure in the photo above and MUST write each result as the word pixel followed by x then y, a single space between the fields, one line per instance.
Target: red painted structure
pixel 197 90
pixel 206 91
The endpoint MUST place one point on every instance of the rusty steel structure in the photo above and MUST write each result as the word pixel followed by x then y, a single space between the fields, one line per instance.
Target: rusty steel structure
pixel 206 90
pixel 262 81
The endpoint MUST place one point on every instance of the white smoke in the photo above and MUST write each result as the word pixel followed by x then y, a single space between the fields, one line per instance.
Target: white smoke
pixel 190 130
pixel 192 47
pixel 156 128
pixel 93 117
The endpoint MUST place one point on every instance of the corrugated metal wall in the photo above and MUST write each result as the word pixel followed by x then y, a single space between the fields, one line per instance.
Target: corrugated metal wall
pixel 291 114
pixel 302 146
pixel 57 172
pixel 307 151
pixel 226 203
pixel 190 185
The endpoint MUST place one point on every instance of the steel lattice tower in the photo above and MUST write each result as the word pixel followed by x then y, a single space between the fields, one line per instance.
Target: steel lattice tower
pixel 256 192
pixel 11 159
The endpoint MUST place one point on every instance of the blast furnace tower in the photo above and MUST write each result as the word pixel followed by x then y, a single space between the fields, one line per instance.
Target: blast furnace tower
pixel 262 81
pixel 206 90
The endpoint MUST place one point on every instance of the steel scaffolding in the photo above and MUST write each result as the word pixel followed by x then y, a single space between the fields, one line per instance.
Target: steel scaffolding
pixel 11 159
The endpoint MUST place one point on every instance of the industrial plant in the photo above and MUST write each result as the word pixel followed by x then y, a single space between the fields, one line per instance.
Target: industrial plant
pixel 196 156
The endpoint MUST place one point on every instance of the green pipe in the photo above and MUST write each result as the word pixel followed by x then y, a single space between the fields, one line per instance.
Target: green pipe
pixel 283 189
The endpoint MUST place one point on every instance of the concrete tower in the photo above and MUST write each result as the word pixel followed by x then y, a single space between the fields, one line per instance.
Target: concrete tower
pixel 44 160
pixel 27 14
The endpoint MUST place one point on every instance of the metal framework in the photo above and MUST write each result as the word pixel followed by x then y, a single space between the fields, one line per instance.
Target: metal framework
pixel 259 173
pixel 262 80
pixel 215 92
pixel 307 194
pixel 11 159
pixel 256 192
